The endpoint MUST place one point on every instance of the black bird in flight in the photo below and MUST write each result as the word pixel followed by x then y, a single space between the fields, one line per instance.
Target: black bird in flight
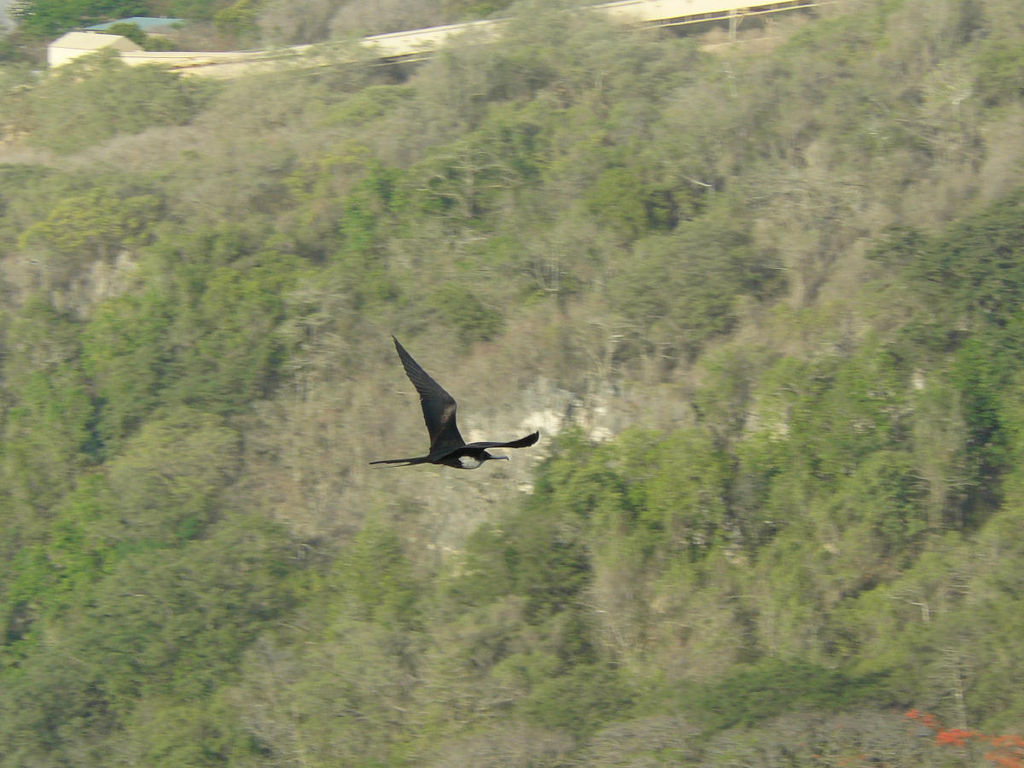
pixel 446 444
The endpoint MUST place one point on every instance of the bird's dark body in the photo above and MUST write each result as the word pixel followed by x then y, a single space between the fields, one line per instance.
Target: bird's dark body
pixel 446 444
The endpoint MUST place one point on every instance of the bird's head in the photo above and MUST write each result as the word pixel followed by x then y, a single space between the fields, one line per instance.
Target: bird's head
pixel 488 456
pixel 473 462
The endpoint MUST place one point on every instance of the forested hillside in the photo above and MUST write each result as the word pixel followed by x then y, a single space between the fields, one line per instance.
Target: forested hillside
pixel 765 304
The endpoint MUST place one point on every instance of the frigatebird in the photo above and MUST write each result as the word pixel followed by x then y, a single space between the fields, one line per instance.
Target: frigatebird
pixel 446 444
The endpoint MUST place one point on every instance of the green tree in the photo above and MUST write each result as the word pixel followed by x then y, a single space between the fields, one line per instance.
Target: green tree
pixel 137 35
pixel 378 580
pixel 228 351
pixel 459 307
pixel 681 289
pixel 171 476
pixel 48 18
pixel 127 354
pixel 48 426
pixel 98 97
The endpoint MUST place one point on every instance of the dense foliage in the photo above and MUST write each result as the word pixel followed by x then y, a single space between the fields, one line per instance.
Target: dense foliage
pixel 767 303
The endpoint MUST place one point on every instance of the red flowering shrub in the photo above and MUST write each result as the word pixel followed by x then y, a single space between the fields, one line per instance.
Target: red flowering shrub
pixel 1007 751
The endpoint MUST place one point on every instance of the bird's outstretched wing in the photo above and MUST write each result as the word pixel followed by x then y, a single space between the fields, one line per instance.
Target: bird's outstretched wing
pixel 438 406
pixel 522 442
pixel 403 462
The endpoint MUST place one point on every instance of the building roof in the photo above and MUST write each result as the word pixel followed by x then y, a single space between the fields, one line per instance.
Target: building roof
pixel 93 41
pixel 145 23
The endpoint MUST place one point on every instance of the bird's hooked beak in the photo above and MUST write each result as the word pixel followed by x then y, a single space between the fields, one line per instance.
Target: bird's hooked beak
pixel 506 458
